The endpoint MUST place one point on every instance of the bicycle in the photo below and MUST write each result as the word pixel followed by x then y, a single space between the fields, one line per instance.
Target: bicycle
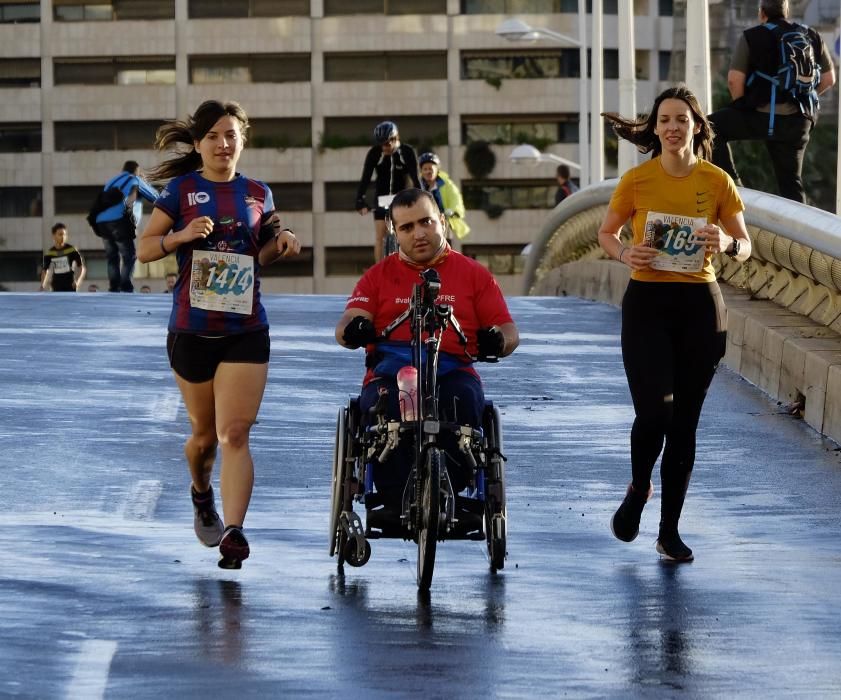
pixel 431 511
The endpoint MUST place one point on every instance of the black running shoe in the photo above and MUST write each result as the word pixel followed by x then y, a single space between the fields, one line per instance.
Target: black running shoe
pixel 625 523
pixel 672 547
pixel 233 548
pixel 206 521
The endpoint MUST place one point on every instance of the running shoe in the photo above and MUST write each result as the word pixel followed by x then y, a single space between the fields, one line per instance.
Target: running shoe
pixel 206 521
pixel 672 547
pixel 625 523
pixel 233 548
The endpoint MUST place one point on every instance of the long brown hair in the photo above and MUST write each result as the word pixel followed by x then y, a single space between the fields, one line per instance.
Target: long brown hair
pixel 640 131
pixel 175 134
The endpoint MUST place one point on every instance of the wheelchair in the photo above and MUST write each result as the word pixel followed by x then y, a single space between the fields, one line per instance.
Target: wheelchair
pixel 432 510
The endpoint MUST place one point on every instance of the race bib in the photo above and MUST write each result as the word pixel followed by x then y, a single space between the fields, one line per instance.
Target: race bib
pixel 61 265
pixel 674 238
pixel 384 200
pixel 222 282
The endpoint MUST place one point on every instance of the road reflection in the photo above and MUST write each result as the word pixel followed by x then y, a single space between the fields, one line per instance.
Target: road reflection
pixel 219 619
pixel 661 626
pixel 392 624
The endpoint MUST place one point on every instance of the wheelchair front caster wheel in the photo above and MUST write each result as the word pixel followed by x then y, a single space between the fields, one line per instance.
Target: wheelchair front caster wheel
pixel 352 555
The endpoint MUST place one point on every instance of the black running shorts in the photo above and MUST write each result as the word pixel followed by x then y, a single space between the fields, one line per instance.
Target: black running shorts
pixel 195 358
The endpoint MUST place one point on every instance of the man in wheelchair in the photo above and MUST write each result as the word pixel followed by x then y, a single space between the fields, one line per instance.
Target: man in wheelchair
pixel 383 293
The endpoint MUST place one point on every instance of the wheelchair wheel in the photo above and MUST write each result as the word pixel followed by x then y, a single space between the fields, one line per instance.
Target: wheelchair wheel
pixel 496 520
pixel 351 554
pixel 429 516
pixel 338 536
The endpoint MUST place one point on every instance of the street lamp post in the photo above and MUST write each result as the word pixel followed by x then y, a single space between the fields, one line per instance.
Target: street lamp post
pixel 516 30
pixel 527 154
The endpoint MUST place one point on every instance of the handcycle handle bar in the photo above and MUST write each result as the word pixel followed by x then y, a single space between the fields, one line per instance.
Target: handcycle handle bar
pixel 422 301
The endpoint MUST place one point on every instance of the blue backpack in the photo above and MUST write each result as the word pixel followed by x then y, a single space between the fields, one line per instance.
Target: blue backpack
pixel 798 74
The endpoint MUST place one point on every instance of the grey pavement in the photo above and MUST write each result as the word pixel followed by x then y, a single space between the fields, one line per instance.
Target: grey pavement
pixel 104 591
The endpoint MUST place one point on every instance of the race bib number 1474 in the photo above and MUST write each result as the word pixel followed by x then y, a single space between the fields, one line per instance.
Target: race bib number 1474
pixel 222 282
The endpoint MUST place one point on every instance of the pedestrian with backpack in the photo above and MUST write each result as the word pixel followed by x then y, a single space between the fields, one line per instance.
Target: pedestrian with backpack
pixel 117 224
pixel 778 70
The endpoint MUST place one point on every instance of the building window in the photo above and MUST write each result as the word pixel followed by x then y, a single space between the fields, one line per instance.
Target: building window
pixel 347 260
pixel 292 196
pixel 20 72
pixel 146 70
pixel 642 60
pixel 384 7
pixel 347 67
pixel 20 138
pixel 495 66
pixel 248 8
pixel 18 12
pixel 520 7
pixel 93 11
pixel 665 8
pixel 20 202
pixel 341 196
pixel 75 199
pixel 509 194
pixel 105 136
pixel 664 64
pixel 500 259
pixel 255 68
pixel 20 267
pixel 537 129
pixel 299 266
pixel 280 133
pixel 421 132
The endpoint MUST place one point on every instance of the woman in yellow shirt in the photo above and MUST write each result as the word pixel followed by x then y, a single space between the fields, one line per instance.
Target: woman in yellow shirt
pixel 682 210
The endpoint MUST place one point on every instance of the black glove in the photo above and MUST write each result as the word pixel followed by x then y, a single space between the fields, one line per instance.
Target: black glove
pixel 359 332
pixel 491 342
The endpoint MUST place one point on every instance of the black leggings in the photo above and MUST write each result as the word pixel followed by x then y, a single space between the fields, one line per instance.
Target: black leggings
pixel 673 336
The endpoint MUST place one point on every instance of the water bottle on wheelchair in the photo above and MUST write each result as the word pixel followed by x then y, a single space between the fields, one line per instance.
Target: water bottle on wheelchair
pixel 421 473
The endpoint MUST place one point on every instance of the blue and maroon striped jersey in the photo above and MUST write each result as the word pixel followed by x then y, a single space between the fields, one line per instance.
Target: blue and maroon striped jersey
pixel 239 210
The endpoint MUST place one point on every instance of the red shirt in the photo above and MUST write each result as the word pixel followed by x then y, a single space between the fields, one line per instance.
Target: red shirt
pixel 385 290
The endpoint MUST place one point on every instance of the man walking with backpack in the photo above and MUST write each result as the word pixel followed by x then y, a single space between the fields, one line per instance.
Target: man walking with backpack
pixel 776 74
pixel 118 223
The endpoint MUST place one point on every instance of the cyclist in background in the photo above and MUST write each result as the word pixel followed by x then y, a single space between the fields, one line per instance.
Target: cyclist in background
pixel 446 193
pixel 396 165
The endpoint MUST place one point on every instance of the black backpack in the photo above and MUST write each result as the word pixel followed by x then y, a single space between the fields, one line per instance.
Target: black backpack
pixel 105 199
pixel 798 72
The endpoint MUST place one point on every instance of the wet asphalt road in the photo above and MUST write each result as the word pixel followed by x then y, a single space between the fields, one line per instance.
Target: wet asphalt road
pixel 104 591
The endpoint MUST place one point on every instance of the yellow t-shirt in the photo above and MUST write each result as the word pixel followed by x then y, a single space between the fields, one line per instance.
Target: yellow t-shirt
pixel 707 192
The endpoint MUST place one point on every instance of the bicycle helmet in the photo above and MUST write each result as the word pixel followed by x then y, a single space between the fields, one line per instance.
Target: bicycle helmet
pixel 429 158
pixel 384 132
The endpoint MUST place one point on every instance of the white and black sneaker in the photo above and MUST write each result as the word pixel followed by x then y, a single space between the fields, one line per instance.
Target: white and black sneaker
pixel 206 521
pixel 672 547
pixel 233 548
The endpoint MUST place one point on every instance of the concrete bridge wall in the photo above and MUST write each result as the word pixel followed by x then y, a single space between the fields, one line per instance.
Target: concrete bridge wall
pixel 784 304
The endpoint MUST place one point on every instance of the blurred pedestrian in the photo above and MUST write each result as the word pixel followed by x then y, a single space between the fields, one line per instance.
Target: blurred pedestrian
pixel 778 70
pixel 446 193
pixel 566 187
pixel 118 224
pixel 63 269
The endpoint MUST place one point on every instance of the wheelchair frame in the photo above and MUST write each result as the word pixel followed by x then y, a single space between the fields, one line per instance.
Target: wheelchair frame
pixel 430 508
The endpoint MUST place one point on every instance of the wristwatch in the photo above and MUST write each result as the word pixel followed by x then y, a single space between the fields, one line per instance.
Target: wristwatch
pixel 733 250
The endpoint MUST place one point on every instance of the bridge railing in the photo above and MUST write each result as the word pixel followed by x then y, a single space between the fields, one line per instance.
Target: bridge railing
pixel 796 259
